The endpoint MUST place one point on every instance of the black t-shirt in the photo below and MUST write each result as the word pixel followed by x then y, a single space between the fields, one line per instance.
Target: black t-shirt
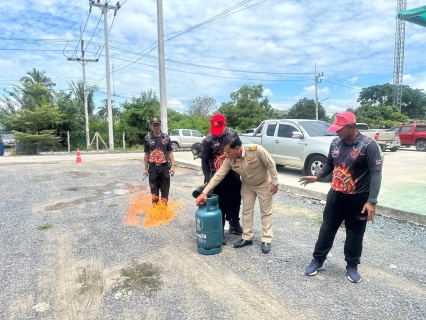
pixel 213 149
pixel 352 164
pixel 157 147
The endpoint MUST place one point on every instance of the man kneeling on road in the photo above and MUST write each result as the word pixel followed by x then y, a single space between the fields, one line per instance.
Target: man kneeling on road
pixel 259 179
pixel 357 174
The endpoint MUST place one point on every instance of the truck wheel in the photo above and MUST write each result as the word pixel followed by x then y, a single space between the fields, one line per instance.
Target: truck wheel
pixel 315 164
pixel 394 149
pixel 175 146
pixel 421 145
pixel 383 147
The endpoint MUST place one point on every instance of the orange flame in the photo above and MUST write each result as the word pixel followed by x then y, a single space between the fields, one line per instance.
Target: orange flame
pixel 161 213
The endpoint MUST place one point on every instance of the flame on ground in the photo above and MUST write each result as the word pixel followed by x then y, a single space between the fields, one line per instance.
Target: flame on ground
pixel 155 215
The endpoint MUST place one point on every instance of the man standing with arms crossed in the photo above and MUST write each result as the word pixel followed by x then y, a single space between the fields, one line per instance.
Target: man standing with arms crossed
pixel 212 158
pixel 357 174
pixel 259 179
pixel 159 161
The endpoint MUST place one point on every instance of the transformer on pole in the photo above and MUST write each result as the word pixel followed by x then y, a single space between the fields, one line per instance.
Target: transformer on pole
pixel 399 56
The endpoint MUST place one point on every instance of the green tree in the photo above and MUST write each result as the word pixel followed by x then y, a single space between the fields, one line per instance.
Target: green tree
pixel 305 109
pixel 37 76
pixel 202 106
pixel 413 102
pixel 247 108
pixel 102 112
pixel 379 116
pixel 77 91
pixel 134 119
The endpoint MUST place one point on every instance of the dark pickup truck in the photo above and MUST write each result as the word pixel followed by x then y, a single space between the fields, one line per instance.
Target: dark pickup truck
pixel 412 135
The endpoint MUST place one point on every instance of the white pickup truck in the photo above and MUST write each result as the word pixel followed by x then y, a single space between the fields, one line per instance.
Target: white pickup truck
pixel 303 144
pixel 185 138
pixel 386 139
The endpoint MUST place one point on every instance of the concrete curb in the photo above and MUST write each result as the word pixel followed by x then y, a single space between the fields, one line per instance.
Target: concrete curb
pixel 381 210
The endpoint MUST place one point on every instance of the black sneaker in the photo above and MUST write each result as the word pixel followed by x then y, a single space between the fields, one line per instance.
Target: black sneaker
pixel 312 269
pixel 353 274
pixel 223 239
pixel 236 229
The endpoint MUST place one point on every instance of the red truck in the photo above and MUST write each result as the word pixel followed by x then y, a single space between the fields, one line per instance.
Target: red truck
pixel 412 135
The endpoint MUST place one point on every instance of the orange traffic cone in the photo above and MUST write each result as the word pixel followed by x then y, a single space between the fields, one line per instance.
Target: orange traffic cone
pixel 78 160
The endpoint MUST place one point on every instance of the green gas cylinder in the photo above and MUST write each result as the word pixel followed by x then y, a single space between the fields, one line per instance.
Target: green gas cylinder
pixel 208 224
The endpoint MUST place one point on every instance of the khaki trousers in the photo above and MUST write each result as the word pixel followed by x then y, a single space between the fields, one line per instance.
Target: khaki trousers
pixel 249 194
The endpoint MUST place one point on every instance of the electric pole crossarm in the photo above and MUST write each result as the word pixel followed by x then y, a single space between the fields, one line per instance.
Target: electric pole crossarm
pixel 82 60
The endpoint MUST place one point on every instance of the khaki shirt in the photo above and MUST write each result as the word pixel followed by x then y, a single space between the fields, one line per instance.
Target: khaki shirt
pixel 254 166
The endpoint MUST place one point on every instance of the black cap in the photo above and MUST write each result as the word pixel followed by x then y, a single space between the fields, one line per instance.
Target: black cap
pixel 196 149
pixel 155 120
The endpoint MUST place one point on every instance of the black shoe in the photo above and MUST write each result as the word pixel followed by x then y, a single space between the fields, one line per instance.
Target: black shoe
pixel 236 229
pixel 223 239
pixel 312 269
pixel 353 274
pixel 242 243
pixel 266 247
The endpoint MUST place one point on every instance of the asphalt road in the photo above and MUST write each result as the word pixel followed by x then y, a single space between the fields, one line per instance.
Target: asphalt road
pixel 72 270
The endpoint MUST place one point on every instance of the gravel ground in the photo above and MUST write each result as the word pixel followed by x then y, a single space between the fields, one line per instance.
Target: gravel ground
pixel 70 271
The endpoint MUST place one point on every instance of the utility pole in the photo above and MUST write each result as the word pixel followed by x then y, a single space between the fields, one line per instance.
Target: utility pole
pixel 105 8
pixel 86 109
pixel 162 68
pixel 317 80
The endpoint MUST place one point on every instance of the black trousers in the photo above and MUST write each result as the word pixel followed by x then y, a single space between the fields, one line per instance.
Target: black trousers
pixel 228 191
pixel 159 179
pixel 341 207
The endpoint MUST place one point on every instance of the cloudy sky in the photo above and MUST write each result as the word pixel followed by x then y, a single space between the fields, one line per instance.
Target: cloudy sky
pixel 271 42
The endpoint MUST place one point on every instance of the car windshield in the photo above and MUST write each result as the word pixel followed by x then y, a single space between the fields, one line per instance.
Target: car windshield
pixel 317 128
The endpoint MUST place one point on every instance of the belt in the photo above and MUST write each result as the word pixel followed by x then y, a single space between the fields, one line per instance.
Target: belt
pixel 158 164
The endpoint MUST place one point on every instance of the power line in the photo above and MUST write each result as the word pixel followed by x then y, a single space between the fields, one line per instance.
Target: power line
pixel 93 32
pixel 216 17
pixel 343 80
pixel 355 88
pixel 81 35
pixel 209 75
pixel 32 39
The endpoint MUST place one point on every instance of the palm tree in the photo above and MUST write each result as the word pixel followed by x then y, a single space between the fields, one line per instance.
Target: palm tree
pixel 37 76
pixel 103 111
pixel 78 94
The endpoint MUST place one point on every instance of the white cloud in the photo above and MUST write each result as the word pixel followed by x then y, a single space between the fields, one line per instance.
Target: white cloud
pixel 267 92
pixel 418 82
pixel 176 105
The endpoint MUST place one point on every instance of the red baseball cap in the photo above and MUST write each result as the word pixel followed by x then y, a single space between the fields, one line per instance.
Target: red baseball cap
pixel 217 123
pixel 341 120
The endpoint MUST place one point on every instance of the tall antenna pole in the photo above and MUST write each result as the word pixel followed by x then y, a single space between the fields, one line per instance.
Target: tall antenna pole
pixel 398 66
pixel 162 69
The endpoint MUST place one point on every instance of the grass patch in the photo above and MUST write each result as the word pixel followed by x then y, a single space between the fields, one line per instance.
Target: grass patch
pixel 143 277
pixel 318 220
pixel 111 205
pixel 46 225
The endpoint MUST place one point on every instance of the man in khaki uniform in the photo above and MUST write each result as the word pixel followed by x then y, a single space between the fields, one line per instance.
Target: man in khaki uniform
pixel 259 179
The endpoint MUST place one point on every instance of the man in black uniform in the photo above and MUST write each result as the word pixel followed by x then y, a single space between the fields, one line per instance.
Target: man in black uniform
pixel 159 161
pixel 228 190
pixel 357 174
